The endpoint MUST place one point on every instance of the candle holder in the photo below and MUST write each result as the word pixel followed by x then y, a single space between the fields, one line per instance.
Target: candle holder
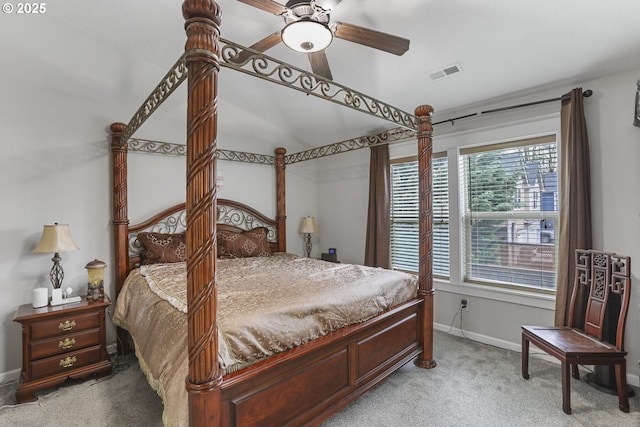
pixel 95 285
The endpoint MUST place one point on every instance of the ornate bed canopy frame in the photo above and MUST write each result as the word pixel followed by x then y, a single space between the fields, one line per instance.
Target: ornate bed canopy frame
pixel 204 54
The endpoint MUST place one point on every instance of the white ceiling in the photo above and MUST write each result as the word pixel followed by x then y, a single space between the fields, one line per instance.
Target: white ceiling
pixel 503 46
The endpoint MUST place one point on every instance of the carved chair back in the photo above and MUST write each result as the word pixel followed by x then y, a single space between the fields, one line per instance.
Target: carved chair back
pixel 605 280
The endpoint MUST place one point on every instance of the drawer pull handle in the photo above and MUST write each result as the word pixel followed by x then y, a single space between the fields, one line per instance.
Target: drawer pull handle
pixel 68 361
pixel 67 343
pixel 67 325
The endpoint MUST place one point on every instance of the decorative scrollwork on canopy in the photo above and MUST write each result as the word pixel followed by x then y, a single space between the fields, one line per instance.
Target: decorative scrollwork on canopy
pixel 239 156
pixel 158 147
pixel 260 65
pixel 267 68
pixel 176 75
pixel 386 137
pixel 148 146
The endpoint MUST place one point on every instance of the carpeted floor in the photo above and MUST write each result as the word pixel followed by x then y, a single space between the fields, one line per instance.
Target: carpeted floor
pixel 473 385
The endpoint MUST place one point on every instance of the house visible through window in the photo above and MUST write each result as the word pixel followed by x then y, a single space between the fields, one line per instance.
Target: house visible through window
pixel 508 216
pixel 510 212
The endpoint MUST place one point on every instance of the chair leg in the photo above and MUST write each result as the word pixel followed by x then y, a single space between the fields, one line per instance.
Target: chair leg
pixel 525 358
pixel 574 370
pixel 621 382
pixel 566 387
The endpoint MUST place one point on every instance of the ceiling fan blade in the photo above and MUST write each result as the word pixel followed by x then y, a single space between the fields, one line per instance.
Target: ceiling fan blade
pixel 320 65
pixel 372 38
pixel 266 5
pixel 261 46
pixel 267 42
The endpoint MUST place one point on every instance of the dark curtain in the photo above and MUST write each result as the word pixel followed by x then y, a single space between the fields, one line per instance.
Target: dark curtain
pixel 575 202
pixel 377 248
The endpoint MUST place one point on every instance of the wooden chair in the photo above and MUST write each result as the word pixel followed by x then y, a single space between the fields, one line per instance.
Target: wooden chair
pixel 605 279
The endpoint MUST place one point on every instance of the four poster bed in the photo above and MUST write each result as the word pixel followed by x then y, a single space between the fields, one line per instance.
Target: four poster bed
pixel 237 373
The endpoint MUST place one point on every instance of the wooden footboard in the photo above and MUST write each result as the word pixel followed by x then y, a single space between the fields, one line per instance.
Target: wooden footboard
pixel 308 384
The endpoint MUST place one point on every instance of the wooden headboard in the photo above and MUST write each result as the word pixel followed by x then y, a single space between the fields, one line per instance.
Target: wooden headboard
pixel 232 216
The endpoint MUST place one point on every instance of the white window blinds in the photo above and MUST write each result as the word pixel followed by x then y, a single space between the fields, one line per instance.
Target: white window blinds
pixel 511 212
pixel 405 215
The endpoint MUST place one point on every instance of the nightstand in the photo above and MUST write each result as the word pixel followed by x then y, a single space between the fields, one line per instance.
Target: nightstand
pixel 61 342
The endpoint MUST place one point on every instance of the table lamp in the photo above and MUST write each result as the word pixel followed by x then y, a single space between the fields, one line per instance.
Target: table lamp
pixel 56 238
pixel 308 227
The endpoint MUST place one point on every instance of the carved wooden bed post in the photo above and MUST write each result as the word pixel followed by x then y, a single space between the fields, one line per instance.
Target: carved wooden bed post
pixel 202 24
pixel 281 210
pixel 120 211
pixel 425 284
pixel 120 216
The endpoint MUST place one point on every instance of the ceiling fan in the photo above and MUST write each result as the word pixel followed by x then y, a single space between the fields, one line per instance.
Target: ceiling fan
pixel 307 30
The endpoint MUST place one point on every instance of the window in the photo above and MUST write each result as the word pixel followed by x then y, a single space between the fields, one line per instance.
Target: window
pixel 404 215
pixel 503 201
pixel 510 211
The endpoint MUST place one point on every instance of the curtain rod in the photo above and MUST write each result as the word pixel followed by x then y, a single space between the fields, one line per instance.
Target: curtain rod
pixel 586 94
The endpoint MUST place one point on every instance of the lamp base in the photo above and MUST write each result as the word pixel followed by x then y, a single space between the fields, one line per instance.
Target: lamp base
pixel 56 274
pixel 308 244
pixel 95 292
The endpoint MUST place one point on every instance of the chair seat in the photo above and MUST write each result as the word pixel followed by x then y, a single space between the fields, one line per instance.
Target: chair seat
pixel 570 343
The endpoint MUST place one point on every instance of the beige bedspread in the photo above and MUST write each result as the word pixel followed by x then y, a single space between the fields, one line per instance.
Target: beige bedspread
pixel 265 305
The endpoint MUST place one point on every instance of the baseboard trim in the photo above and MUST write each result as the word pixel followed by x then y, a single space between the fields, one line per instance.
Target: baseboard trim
pixel 9 376
pixel 633 380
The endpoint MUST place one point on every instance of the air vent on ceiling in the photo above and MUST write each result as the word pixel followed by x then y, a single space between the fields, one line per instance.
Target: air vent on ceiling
pixel 447 71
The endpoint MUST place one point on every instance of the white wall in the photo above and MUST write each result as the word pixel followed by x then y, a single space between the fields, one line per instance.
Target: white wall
pixel 343 194
pixel 495 316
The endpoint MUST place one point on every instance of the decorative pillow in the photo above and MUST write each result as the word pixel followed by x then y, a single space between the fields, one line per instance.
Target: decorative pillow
pixel 160 248
pixel 250 243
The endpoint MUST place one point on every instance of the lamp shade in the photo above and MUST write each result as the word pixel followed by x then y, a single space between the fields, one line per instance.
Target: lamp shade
pixel 55 238
pixel 308 225
pixel 306 36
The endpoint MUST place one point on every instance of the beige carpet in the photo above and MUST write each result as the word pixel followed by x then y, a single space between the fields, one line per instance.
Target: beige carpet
pixel 473 385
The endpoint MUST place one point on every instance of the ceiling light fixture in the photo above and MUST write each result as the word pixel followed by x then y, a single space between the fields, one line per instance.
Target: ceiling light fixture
pixel 307 36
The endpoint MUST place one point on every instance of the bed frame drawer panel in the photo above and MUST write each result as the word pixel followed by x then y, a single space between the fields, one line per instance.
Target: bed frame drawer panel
pixel 296 394
pixel 378 348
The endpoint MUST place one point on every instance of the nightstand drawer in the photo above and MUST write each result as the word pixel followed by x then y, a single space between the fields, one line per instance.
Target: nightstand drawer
pixel 65 324
pixel 64 343
pixel 65 362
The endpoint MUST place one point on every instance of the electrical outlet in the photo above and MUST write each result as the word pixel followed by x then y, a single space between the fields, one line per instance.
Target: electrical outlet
pixel 464 303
